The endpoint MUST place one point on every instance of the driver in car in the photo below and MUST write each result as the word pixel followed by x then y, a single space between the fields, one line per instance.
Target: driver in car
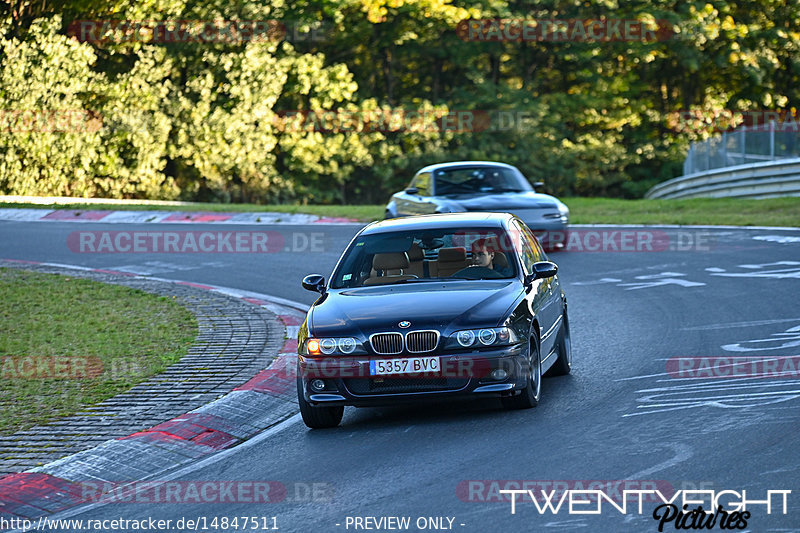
pixel 481 255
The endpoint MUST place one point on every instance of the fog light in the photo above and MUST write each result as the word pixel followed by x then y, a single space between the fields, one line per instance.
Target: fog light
pixel 499 374
pixel 317 384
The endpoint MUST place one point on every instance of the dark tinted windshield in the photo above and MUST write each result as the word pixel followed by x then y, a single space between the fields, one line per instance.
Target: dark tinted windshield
pixel 478 179
pixel 427 255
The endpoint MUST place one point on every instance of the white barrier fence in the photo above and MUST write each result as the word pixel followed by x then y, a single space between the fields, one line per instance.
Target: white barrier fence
pixel 770 179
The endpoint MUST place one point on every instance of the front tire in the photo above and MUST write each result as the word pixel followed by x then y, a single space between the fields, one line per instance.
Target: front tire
pixel 318 417
pixel 563 364
pixel 530 395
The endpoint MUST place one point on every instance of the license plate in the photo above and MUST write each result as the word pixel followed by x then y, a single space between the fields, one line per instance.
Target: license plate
pixel 411 365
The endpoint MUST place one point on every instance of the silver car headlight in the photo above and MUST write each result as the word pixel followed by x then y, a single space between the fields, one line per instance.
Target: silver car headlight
pixel 332 346
pixel 483 337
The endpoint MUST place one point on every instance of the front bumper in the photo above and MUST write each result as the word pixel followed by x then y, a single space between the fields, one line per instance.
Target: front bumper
pixel 464 374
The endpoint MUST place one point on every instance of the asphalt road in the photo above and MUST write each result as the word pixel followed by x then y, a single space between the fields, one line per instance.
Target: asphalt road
pixel 624 413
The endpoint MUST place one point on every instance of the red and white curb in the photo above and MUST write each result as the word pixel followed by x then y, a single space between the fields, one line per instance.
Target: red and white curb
pixel 266 218
pixel 164 217
pixel 264 401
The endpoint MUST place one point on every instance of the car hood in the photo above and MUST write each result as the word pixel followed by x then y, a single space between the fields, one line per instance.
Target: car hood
pixel 504 201
pixel 445 306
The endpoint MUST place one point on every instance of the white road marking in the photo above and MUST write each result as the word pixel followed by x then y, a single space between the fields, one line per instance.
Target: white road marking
pixel 568 524
pixel 683 453
pixel 761 272
pixel 789 339
pixel 692 395
pixel 73 267
pixel 776 263
pixel 597 282
pixel 741 324
pixel 781 239
pixel 663 278
pixel 160 267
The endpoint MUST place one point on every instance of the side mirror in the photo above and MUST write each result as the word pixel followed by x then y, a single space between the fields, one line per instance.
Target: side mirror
pixel 537 184
pixel 544 269
pixel 314 283
pixel 412 190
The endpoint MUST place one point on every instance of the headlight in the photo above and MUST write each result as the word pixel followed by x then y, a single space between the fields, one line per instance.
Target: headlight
pixel 347 345
pixel 333 346
pixel 327 346
pixel 465 338
pixel 563 216
pixel 486 336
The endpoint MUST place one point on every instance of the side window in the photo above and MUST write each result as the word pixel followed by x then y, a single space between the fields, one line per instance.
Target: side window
pixel 423 183
pixel 528 254
pixel 537 248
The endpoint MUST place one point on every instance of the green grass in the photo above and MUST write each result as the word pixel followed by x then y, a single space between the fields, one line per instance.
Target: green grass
pixel 702 211
pixel 699 211
pixel 66 343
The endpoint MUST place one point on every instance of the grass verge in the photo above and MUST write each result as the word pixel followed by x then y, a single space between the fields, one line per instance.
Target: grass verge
pixel 66 343
pixel 701 211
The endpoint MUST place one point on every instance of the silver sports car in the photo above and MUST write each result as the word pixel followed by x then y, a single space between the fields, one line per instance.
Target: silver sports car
pixel 483 186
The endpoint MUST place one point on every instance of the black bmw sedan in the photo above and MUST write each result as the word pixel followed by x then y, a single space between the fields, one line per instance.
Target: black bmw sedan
pixel 421 308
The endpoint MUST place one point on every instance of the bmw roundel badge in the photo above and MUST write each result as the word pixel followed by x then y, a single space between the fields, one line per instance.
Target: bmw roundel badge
pixel 404 324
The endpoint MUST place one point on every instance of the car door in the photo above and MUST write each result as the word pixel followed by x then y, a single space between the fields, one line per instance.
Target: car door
pixel 547 307
pixel 419 202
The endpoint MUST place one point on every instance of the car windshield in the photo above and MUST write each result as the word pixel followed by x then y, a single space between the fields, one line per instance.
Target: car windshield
pixel 471 180
pixel 427 255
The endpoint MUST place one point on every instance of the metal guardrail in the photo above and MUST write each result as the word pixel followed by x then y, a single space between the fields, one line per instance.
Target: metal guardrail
pixel 770 179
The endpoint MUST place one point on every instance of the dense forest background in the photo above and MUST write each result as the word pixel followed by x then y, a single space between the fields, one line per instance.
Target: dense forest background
pixel 208 119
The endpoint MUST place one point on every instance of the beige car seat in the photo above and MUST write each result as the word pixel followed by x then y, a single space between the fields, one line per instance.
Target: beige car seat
pixel 450 261
pixel 392 265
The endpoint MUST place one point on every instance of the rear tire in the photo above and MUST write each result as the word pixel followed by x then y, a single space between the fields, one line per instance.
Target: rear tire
pixel 530 395
pixel 563 364
pixel 318 417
